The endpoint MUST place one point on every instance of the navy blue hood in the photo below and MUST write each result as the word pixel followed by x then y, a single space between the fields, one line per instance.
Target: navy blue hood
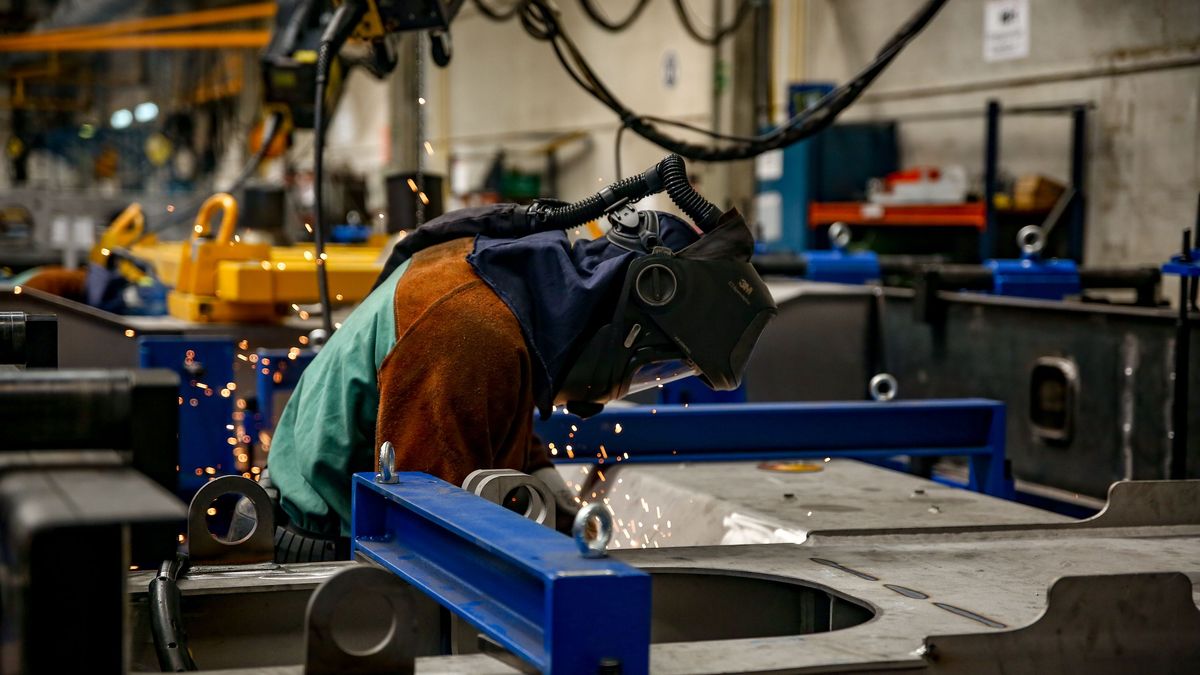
pixel 560 293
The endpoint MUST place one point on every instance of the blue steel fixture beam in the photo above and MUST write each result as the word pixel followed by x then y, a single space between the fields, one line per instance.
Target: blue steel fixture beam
pixel 521 584
pixel 973 428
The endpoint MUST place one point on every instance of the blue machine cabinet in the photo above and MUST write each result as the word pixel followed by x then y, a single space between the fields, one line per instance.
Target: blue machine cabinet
pixel 522 584
pixel 972 428
pixel 277 372
pixel 205 367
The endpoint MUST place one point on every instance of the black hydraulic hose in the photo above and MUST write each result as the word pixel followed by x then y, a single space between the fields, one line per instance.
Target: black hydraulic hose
pixel 669 174
pixel 166 618
pixel 336 33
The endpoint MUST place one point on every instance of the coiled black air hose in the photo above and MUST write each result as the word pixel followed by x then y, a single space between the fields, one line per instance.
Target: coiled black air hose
pixel 670 175
pixel 675 181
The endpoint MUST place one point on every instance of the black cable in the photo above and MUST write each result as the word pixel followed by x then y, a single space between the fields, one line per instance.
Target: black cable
pixel 669 175
pixel 541 22
pixel 271 129
pixel 499 15
pixel 600 19
pixel 617 150
pixel 336 33
pixel 722 32
pixel 166 618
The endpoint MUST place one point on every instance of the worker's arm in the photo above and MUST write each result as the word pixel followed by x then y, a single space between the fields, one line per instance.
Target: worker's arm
pixel 455 393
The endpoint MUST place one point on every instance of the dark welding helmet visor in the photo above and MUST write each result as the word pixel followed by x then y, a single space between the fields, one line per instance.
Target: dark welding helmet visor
pixel 698 311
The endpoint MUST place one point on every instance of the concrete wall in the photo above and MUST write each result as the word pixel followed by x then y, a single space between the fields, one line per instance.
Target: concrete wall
pixel 503 89
pixel 1137 61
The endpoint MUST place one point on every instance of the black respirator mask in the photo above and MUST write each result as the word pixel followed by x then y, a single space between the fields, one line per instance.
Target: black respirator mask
pixel 698 311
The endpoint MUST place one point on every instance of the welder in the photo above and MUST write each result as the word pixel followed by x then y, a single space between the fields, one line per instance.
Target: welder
pixel 487 314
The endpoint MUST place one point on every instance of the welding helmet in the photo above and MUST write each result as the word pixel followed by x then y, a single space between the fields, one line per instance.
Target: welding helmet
pixel 697 311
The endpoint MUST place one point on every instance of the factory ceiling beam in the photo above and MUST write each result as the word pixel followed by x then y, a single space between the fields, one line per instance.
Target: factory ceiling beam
pixel 127 34
pixel 200 39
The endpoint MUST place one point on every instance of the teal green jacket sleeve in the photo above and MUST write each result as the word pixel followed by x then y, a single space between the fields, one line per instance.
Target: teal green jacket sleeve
pixel 327 430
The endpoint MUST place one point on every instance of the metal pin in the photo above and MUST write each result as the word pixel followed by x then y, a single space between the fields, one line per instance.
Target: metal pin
pixel 387 464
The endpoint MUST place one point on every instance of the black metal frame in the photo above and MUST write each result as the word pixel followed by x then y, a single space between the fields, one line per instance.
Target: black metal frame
pixel 1075 194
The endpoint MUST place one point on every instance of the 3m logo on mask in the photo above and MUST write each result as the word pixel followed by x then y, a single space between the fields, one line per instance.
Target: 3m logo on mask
pixel 743 289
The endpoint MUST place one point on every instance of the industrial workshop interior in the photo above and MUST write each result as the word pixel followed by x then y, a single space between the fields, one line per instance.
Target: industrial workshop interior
pixel 599 336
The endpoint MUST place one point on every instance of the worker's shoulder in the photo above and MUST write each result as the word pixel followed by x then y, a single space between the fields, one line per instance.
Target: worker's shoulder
pixel 441 293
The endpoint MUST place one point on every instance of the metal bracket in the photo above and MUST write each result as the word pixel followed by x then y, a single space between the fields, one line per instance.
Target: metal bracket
pixel 1149 503
pixel 361 604
pixel 1117 623
pixel 506 487
pixel 256 547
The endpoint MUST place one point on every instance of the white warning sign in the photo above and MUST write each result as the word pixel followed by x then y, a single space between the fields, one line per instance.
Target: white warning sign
pixel 1005 30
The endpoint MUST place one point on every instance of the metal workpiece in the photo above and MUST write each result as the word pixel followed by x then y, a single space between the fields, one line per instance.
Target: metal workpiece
pixel 821 346
pixel 721 503
pixel 255 547
pixel 515 491
pixel 520 584
pixel 1161 640
pixel 382 640
pixel 1110 594
pixel 1000 587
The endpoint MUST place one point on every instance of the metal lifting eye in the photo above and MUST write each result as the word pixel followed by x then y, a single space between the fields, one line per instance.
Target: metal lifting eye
pixel 883 387
pixel 1030 240
pixel 593 529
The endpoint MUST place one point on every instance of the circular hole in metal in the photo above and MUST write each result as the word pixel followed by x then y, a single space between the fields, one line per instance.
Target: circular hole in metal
pixel 362 624
pixel 519 499
pixel 231 518
pixel 743 606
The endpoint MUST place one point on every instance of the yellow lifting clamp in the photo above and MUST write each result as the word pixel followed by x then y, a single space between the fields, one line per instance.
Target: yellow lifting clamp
pixel 224 279
pixel 195 296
